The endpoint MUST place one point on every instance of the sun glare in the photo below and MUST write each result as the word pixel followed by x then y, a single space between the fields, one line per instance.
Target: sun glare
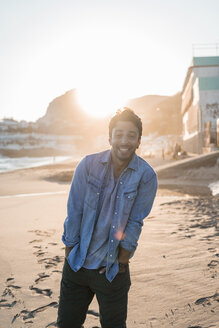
pixel 99 101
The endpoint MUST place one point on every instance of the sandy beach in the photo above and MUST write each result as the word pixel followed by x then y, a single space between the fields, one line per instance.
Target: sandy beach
pixel 174 272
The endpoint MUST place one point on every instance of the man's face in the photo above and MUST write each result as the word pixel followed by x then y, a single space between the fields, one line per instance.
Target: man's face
pixel 124 140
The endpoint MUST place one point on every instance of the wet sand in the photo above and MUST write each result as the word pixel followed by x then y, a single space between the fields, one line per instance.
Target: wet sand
pixel 174 271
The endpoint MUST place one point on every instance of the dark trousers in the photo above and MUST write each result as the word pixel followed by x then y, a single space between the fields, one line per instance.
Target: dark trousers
pixel 78 290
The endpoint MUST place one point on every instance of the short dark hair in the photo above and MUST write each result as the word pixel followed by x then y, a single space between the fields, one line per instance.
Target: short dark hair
pixel 125 114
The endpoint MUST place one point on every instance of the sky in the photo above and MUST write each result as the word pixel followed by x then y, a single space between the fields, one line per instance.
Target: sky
pixel 109 50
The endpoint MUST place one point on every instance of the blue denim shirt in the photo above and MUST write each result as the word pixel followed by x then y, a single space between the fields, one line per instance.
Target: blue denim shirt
pixel 98 248
pixel 136 191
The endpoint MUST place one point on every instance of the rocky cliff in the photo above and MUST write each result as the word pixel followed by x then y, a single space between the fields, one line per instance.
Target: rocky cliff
pixel 65 116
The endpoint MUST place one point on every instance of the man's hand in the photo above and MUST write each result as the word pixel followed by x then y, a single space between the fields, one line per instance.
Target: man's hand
pixel 123 259
pixel 122 267
pixel 123 256
pixel 67 251
pixel 102 270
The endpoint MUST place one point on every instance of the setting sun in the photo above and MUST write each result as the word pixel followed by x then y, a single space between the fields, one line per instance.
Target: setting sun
pixel 99 100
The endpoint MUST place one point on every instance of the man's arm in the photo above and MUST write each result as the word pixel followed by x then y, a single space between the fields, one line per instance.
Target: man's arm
pixel 75 207
pixel 141 209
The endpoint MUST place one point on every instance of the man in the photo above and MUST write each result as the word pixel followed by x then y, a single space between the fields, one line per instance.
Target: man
pixel 111 193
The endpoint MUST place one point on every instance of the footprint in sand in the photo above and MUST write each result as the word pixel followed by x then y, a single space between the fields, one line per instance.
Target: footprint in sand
pixel 45 233
pixel 94 313
pixel 213 267
pixel 211 249
pixel 58 271
pixel 8 299
pixel 35 241
pixel 207 300
pixel 213 264
pixel 51 262
pixel 14 286
pixel 203 301
pixel 5 304
pixel 42 277
pixel 7 292
pixel 26 315
pixel 54 324
pixel 39 253
pixel 9 279
pixel 45 292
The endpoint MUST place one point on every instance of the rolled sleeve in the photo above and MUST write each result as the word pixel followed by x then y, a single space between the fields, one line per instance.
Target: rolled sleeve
pixel 141 209
pixel 72 222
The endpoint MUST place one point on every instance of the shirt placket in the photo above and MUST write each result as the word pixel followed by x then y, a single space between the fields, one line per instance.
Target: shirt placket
pixel 115 222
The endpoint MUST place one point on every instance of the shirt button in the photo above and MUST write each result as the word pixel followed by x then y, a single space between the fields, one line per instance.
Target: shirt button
pixel 128 196
pixel 110 255
pixel 113 227
pixel 117 196
pixel 98 193
pixel 120 182
pixel 115 212
pixel 111 241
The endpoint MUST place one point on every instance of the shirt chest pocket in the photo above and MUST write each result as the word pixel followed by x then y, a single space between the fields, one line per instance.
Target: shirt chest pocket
pixel 93 192
pixel 129 198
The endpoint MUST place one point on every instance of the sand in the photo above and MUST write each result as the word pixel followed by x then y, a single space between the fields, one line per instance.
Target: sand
pixel 174 271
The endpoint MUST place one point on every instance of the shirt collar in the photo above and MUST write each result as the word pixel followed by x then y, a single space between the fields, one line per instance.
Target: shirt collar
pixel 133 164
pixel 105 157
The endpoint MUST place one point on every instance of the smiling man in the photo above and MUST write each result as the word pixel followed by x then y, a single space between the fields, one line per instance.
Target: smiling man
pixel 111 193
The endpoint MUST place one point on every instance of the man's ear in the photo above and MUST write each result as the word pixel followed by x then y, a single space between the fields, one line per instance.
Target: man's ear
pixel 139 142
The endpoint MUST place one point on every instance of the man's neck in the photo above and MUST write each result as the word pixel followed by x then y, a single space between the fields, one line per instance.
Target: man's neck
pixel 118 165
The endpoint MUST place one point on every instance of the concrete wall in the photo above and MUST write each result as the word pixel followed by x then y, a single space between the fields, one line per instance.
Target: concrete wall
pixel 209 105
pixel 194 143
pixel 192 136
pixel 187 96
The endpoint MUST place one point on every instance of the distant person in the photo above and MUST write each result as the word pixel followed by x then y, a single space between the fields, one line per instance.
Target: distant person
pixel 111 193
pixel 163 154
pixel 176 151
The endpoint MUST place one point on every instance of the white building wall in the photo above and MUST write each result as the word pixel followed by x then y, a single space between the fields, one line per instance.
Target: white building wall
pixel 209 104
pixel 198 108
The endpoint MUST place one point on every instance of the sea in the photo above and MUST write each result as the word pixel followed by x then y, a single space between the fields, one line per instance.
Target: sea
pixel 214 187
pixel 32 142
pixel 11 164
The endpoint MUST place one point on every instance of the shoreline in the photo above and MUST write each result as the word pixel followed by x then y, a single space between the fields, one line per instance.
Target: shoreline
pixel 19 163
pixel 194 182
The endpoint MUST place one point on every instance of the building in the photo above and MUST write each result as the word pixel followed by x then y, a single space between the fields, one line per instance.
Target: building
pixel 200 105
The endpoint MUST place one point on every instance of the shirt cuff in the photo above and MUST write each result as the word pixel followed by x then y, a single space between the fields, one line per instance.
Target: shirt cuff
pixel 131 247
pixel 67 242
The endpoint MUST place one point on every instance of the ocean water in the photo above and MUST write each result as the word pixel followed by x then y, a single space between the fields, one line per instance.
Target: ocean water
pixel 11 164
pixel 21 141
pixel 214 186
